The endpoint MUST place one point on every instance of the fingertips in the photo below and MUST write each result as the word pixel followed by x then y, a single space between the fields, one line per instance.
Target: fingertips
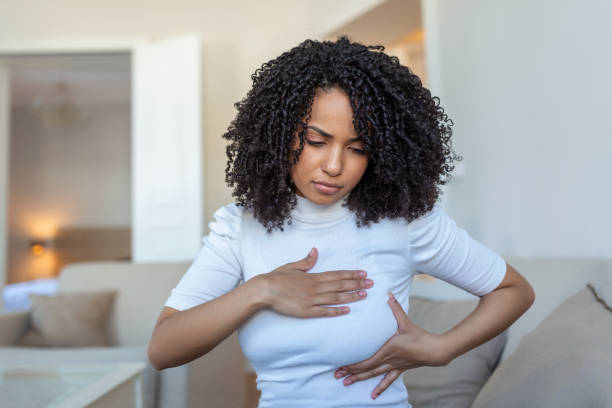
pixel 311 259
pixel 354 296
pixel 389 377
pixel 343 310
pixel 307 262
pixel 395 306
pixel 339 311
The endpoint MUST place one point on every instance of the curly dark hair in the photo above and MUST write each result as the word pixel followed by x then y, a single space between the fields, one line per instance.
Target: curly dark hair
pixel 404 131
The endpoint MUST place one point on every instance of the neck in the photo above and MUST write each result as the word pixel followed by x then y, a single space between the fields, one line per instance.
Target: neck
pixel 311 212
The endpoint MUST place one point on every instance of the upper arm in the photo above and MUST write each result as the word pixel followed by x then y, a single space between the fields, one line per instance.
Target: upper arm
pixel 513 278
pixel 217 268
pixel 165 313
pixel 440 248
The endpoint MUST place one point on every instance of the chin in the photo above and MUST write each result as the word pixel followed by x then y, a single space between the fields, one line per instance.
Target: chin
pixel 324 199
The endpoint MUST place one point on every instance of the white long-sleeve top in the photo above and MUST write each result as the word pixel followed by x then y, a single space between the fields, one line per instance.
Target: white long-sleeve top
pixel 295 358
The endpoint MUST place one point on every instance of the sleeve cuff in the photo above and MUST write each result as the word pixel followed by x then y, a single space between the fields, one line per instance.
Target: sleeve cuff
pixel 496 278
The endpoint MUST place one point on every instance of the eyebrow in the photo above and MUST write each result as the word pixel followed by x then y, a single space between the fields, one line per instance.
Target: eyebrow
pixel 328 135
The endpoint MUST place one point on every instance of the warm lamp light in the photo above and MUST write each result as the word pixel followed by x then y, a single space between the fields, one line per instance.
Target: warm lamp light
pixel 37 248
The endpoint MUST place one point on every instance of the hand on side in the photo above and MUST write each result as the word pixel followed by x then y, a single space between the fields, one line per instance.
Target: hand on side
pixel 291 291
pixel 410 347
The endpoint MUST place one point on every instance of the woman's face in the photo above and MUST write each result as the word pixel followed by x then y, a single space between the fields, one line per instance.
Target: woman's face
pixel 333 160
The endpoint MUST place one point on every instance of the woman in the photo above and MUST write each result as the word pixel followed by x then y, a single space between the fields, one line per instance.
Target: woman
pixel 337 152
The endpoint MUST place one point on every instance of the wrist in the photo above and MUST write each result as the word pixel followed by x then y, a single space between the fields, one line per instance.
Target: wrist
pixel 445 349
pixel 257 291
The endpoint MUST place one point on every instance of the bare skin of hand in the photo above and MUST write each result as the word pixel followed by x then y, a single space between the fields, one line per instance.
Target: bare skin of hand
pixel 291 291
pixel 410 347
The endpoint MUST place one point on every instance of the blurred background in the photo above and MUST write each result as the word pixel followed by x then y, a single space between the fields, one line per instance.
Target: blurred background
pixel 111 116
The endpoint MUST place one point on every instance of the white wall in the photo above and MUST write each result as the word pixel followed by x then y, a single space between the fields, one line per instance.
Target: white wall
pixel 327 16
pixel 528 86
pixel 78 173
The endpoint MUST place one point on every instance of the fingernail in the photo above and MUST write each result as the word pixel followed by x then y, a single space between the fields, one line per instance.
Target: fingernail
pixel 369 282
pixel 338 375
pixel 363 274
pixel 362 293
pixel 311 253
pixel 392 297
pixel 346 309
pixel 347 382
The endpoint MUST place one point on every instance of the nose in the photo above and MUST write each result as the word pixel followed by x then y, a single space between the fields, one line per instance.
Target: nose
pixel 333 162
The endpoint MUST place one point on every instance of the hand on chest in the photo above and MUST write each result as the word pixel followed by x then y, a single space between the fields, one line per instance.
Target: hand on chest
pixel 270 337
pixel 380 251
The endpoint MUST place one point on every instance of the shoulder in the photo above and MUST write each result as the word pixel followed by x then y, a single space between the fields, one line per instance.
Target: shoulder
pixel 430 218
pixel 227 220
pixel 231 210
pixel 433 226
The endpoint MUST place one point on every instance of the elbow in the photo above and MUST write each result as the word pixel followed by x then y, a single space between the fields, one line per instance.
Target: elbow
pixel 525 292
pixel 531 296
pixel 527 296
pixel 161 357
pixel 155 357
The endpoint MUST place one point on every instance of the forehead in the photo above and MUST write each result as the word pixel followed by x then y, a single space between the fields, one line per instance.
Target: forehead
pixel 333 100
pixel 332 111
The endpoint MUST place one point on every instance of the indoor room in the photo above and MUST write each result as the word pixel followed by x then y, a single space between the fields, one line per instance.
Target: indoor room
pixel 166 167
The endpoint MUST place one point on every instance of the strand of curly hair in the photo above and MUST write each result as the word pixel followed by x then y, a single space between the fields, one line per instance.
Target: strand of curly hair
pixel 405 132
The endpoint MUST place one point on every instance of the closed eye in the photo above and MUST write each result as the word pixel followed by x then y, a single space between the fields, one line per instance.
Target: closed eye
pixel 313 143
pixel 317 144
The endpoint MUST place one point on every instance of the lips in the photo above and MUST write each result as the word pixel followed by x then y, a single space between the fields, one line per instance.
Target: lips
pixel 326 188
